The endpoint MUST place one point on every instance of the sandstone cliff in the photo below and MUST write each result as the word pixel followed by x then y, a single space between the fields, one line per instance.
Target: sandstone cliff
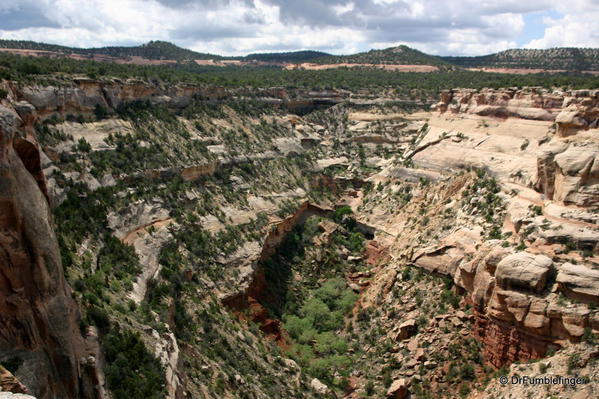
pixel 38 315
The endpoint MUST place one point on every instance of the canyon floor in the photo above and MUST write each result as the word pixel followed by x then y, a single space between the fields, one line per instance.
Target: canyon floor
pixel 201 242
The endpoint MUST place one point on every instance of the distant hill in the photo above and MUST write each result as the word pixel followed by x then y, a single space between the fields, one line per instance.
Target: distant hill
pixel 567 58
pixel 29 45
pixel 393 55
pixel 290 57
pixel 154 50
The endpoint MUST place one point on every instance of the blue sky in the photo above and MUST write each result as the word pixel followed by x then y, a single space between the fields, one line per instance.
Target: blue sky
pixel 238 27
pixel 534 28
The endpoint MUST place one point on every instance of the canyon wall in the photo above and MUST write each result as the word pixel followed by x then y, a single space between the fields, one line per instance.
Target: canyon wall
pixel 534 297
pixel 82 96
pixel 39 318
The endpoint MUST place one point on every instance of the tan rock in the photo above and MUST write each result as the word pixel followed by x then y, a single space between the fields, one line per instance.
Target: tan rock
pixel 319 387
pixel 398 389
pixel 579 282
pixel 419 355
pixel 406 329
pixel 536 318
pixel 413 345
pixel 575 321
pixel 577 173
pixel 523 271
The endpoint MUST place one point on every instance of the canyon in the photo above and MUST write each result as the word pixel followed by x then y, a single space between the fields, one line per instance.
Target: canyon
pixel 478 215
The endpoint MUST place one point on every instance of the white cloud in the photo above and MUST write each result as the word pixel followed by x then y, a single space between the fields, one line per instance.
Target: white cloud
pixel 579 26
pixel 339 26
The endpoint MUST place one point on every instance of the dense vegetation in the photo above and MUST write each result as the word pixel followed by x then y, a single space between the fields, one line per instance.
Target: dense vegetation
pixel 565 58
pixel 307 290
pixel 393 55
pixel 49 70
pixel 314 330
pixel 292 57
pixel 154 50
pixel 132 371
pixel 577 59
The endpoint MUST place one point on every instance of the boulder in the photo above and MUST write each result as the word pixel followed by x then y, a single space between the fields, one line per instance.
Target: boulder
pixel 523 271
pixel 398 389
pixel 319 387
pixel 579 282
pixel 406 329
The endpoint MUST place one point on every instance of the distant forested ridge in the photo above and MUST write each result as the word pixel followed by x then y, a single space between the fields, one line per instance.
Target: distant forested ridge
pixel 565 59
pixel 290 57
pixel 394 55
pixel 154 50
pixel 57 71
pixel 569 59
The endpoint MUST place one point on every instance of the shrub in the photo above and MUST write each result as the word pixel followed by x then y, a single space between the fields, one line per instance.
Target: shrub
pixel 132 371
pixel 573 362
pixel 83 145
pixel 589 336
pixel 100 112
pixel 318 311
pixel 341 212
pixel 99 318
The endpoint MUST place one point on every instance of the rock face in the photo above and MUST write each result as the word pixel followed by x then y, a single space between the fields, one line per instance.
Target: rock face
pixel 580 111
pixel 569 173
pixel 255 289
pixel 567 170
pixel 517 317
pixel 571 110
pixel 38 316
pixel 84 95
pixel 579 281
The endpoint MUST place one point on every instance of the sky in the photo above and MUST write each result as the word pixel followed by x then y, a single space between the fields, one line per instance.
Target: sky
pixel 239 27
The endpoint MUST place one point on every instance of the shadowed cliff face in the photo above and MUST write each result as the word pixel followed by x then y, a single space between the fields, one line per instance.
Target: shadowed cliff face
pixel 37 313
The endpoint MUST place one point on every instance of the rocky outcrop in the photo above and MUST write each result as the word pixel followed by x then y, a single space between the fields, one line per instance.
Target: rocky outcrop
pixel 569 172
pixel 579 282
pixel 571 110
pixel 518 314
pixel 580 110
pixel 255 288
pixel 280 230
pixel 38 317
pixel 83 95
pixel 562 142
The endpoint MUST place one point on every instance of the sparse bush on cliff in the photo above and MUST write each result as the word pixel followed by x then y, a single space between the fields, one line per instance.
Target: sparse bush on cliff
pixel 100 112
pixel 132 371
